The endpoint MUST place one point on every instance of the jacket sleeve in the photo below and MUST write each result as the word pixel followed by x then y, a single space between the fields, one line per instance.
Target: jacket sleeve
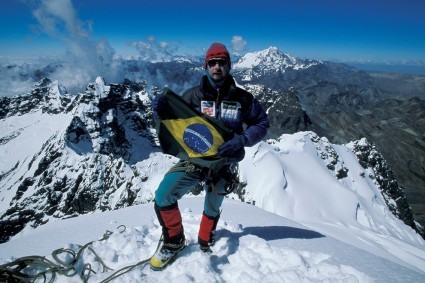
pixel 257 124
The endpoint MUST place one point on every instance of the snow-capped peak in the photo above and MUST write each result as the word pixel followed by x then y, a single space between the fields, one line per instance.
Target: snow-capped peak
pixel 102 90
pixel 57 89
pixel 271 57
pixel 269 61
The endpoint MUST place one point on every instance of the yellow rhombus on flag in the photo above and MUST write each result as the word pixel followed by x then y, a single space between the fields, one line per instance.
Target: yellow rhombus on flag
pixel 189 134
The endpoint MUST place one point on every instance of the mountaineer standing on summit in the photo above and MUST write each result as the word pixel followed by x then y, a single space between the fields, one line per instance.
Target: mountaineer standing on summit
pixel 218 96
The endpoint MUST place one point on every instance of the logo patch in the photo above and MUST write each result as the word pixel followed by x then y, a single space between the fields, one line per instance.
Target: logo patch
pixel 208 107
pixel 230 110
pixel 198 137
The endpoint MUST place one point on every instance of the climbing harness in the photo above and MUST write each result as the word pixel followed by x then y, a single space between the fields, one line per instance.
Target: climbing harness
pixel 227 177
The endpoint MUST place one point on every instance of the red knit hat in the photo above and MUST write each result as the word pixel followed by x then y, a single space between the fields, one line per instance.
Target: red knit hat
pixel 217 50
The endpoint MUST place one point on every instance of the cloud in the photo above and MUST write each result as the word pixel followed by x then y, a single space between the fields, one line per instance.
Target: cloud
pixel 58 18
pixel 238 43
pixel 87 58
pixel 153 50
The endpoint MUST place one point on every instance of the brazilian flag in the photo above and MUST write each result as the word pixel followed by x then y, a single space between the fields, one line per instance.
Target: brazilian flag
pixel 190 134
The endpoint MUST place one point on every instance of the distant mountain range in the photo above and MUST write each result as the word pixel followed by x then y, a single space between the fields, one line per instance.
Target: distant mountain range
pixel 68 154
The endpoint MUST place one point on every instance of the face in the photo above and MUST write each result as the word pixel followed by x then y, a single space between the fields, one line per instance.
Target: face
pixel 218 69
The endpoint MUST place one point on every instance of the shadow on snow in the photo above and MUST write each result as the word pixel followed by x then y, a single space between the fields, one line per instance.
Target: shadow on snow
pixel 268 233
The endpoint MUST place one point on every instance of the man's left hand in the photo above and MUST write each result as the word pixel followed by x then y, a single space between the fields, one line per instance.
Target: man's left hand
pixel 229 148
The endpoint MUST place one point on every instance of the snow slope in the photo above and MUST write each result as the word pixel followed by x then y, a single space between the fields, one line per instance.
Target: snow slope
pixel 253 245
pixel 290 177
pixel 29 132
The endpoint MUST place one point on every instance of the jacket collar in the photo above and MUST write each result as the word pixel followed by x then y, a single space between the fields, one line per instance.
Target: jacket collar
pixel 229 84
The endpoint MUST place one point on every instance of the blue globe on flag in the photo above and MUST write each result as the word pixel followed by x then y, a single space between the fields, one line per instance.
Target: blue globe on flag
pixel 198 138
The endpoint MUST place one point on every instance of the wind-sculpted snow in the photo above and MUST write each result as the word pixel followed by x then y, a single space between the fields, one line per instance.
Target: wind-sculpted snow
pixel 373 161
pixel 318 184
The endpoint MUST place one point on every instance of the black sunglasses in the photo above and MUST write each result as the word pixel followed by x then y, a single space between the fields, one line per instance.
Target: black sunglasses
pixel 221 62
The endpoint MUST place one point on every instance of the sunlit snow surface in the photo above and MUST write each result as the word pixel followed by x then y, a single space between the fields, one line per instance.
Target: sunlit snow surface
pixel 252 245
pixel 308 226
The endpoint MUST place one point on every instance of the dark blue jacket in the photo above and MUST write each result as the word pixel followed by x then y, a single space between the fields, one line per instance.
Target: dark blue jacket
pixel 233 106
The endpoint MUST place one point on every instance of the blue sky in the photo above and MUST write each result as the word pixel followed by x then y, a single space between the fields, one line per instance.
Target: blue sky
pixel 344 30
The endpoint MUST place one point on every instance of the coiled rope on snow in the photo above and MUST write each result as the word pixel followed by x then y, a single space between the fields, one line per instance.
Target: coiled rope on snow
pixel 14 271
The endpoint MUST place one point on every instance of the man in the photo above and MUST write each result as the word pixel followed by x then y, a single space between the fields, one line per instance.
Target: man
pixel 218 96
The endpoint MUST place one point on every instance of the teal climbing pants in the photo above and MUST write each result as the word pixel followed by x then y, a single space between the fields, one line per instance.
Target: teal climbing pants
pixel 177 183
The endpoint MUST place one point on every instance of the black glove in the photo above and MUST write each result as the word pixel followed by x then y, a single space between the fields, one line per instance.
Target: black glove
pixel 232 147
pixel 159 106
